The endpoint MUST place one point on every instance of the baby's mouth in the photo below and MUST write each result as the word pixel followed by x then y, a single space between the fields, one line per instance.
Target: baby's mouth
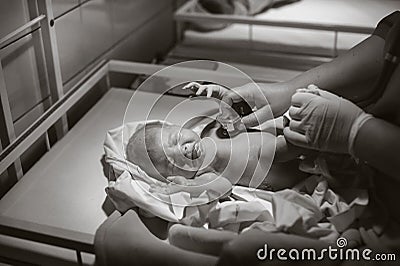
pixel 196 152
pixel 192 151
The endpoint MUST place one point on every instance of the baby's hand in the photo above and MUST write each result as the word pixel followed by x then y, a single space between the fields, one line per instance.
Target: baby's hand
pixel 160 188
pixel 180 180
pixel 208 90
pixel 176 184
pixel 216 185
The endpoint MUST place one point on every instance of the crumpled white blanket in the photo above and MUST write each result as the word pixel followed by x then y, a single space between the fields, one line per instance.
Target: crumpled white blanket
pixel 314 210
pixel 310 209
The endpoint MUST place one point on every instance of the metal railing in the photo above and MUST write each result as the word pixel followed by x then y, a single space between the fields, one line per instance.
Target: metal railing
pixel 44 18
pixel 41 13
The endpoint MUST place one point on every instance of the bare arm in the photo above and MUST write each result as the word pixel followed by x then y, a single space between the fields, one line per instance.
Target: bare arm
pixel 351 75
pixel 378 143
pixel 356 69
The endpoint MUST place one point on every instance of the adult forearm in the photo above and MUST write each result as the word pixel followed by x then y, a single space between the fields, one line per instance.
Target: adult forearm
pixel 378 144
pixel 356 69
pixel 351 75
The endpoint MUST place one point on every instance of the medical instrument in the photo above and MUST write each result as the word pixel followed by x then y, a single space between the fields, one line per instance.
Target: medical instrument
pixel 232 127
pixel 229 127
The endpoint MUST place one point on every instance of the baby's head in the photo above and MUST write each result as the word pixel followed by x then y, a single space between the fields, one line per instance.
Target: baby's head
pixel 163 150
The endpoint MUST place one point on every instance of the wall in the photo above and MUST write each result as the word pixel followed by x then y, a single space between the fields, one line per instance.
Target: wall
pixel 87 31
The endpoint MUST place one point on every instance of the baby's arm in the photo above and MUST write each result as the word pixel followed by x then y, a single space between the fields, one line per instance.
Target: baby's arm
pixel 285 151
pixel 209 90
pixel 217 186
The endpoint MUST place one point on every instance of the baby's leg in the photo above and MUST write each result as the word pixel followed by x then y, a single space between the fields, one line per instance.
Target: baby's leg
pixel 199 239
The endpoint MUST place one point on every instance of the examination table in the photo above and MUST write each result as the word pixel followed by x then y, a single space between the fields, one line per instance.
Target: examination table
pixel 51 215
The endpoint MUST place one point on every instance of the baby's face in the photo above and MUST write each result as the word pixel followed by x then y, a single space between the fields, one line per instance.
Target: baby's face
pixel 183 150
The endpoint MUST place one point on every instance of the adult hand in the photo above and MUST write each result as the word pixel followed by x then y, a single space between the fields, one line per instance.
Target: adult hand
pixel 264 97
pixel 323 121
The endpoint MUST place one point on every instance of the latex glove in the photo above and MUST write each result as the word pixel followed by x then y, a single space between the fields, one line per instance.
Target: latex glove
pixel 324 121
pixel 209 90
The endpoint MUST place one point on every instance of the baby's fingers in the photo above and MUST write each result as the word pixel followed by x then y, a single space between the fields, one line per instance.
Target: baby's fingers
pixel 201 89
pixel 191 86
pixel 152 189
pixel 180 180
pixel 209 92
pixel 160 190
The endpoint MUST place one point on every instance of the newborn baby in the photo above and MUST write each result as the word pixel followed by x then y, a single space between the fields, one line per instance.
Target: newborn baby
pixel 194 164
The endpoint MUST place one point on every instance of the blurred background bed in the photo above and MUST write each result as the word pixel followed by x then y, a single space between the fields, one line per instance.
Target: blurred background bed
pixel 310 30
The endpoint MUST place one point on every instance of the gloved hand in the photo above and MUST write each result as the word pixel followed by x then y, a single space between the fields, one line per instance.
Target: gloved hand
pixel 324 121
